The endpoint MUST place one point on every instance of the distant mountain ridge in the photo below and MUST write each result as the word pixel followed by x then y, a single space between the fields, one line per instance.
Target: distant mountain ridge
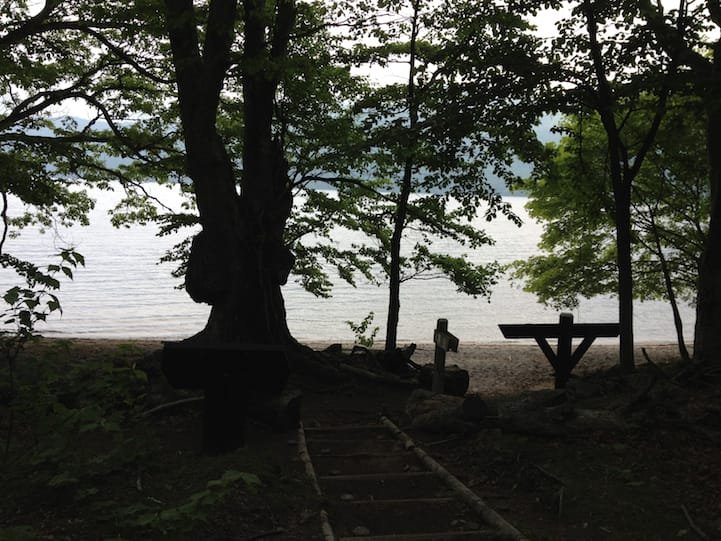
pixel 544 132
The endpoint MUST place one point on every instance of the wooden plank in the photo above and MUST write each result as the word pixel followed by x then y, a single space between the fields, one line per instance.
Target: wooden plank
pixel 581 351
pixel 398 501
pixel 471 535
pixel 552 330
pixel 385 476
pixel 445 341
pixel 548 352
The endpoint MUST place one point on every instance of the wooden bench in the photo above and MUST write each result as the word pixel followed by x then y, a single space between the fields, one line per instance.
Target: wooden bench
pixel 229 375
pixel 563 360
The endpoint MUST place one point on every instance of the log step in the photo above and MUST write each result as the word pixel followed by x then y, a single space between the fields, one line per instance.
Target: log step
pixel 403 516
pixel 366 463
pixel 319 446
pixel 355 432
pixel 379 486
pixel 480 535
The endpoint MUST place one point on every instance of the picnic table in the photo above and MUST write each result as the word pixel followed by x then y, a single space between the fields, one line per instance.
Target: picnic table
pixel 565 358
pixel 229 375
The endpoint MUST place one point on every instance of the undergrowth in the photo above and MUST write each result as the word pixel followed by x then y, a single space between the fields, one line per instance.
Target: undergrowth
pixel 82 449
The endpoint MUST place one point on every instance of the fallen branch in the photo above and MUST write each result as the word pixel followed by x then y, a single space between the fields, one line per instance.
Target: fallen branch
pixel 390 379
pixel 326 528
pixel 692 524
pixel 657 369
pixel 173 404
pixel 441 442
pixel 550 475
pixel 307 462
pixel 466 494
pixel 263 535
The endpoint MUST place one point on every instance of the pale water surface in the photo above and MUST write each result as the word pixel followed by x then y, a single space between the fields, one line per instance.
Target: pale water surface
pixel 123 292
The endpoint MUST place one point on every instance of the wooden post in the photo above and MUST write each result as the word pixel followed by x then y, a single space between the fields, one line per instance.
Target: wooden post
pixel 444 341
pixel 439 358
pixel 563 352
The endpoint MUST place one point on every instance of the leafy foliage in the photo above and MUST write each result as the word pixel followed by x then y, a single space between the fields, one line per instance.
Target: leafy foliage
pixel 81 426
pixel 360 329
pixel 574 199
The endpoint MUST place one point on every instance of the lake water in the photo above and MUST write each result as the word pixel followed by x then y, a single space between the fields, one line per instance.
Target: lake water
pixel 123 292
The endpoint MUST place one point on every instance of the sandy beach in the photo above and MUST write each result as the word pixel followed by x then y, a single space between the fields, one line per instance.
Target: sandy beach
pixel 503 367
pixel 495 368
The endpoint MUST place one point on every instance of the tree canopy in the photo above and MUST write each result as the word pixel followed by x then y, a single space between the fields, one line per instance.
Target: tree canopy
pixel 249 105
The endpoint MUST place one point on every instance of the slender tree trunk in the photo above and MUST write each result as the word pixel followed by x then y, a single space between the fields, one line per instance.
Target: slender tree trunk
pixel 394 287
pixel 707 340
pixel 238 262
pixel 666 272
pixel 401 214
pixel 621 180
pixel 624 261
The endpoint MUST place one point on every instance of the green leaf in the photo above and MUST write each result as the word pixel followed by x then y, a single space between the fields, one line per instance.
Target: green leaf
pixel 12 295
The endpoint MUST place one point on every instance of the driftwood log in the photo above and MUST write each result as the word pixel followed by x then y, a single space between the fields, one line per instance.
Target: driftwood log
pixel 444 413
pixel 456 380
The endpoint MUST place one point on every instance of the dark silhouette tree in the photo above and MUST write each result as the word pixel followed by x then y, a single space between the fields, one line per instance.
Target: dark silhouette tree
pixel 605 63
pixel 574 199
pixel 700 60
pixel 239 260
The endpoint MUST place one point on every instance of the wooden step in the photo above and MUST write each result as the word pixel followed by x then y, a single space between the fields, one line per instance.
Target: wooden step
pixel 403 516
pixel 356 432
pixel 366 463
pixel 324 446
pixel 479 535
pixel 381 486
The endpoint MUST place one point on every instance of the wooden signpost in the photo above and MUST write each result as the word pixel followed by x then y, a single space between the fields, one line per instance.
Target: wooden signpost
pixel 444 342
pixel 563 359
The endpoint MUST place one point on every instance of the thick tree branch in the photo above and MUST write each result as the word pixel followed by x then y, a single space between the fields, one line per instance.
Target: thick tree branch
pixel 183 33
pixel 672 39
pixel 219 35
pixel 714 8
pixel 39 102
pixel 31 26
pixel 122 54
pixel 284 23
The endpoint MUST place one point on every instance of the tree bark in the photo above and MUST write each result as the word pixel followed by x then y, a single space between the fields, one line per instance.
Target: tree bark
pixel 707 339
pixel 666 272
pixel 239 261
pixel 706 75
pixel 401 214
pixel 621 181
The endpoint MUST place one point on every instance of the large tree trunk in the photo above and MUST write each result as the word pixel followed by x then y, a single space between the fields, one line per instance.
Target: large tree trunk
pixel 707 339
pixel 238 262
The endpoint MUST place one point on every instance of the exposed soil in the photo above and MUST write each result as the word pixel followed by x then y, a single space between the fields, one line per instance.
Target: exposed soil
pixel 658 478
